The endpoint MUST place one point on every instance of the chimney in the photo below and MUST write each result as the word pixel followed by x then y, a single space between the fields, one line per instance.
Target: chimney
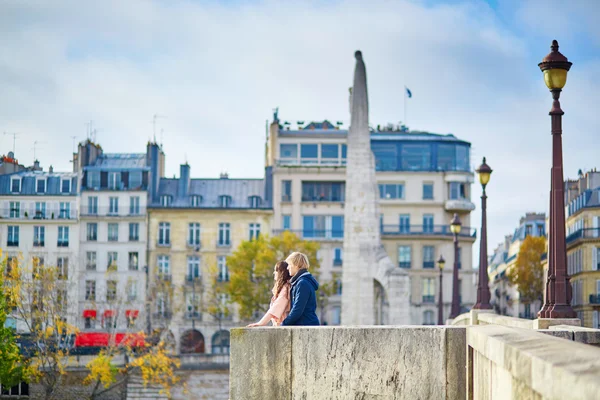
pixel 51 169
pixel 184 179
pixel 36 166
pixel 224 175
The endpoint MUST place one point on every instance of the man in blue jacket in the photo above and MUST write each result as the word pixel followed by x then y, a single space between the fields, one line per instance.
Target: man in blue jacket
pixel 304 296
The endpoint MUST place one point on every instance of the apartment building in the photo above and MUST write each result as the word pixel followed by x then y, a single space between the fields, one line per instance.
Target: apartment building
pixel 423 180
pixel 194 224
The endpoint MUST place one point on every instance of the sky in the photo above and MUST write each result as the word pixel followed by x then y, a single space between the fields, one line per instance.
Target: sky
pixel 214 71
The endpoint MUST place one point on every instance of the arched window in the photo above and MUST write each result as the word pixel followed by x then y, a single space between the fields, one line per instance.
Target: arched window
pixel 192 342
pixel 428 317
pixel 220 342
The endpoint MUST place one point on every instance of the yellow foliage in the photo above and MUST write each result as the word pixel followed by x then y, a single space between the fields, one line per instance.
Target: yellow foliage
pixel 528 273
pixel 102 370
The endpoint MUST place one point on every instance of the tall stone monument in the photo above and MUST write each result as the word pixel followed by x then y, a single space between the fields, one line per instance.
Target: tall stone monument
pixel 376 291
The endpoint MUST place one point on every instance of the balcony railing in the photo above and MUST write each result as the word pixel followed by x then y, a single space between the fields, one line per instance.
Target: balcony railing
pixel 193 315
pixel 586 233
pixel 313 234
pixel 310 162
pixel 12 243
pixel 162 315
pixel 39 243
pixel 223 278
pixel 428 264
pixel 62 243
pixel 595 298
pixel 428 299
pixel 37 215
pixel 404 264
pixel 435 230
pixel 164 277
pixel 193 279
pixel 122 211
pixel 337 262
pixel 459 205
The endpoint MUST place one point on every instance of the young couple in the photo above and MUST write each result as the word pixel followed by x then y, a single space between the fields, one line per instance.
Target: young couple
pixel 294 299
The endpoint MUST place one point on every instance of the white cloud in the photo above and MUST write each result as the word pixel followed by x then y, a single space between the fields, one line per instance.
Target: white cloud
pixel 216 71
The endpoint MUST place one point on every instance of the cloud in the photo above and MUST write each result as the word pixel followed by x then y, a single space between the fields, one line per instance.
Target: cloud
pixel 216 70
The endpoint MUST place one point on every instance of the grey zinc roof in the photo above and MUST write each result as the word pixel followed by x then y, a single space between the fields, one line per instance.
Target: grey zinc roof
pixel 28 183
pixel 376 135
pixel 240 191
pixel 120 161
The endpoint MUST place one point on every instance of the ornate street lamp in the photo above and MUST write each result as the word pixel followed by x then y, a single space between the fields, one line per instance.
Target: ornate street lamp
pixel 455 228
pixel 483 290
pixel 557 302
pixel 441 262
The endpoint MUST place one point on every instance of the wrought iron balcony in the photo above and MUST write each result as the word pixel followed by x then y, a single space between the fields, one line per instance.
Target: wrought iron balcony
pixel 425 230
pixel 595 298
pixel 585 233
pixel 313 234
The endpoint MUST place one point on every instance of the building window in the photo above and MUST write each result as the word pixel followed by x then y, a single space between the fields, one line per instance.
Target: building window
pixel 224 234
pixel 404 223
pixel 323 191
pixel 541 230
pixel 133 261
pixel 131 290
pixel 113 260
pixel 113 208
pixel 134 205
pixel 223 270
pixel 90 322
pixel 92 231
pixel 113 232
pixel 288 151
pixel 15 209
pixel 194 234
pixel 164 234
pixel 40 210
pixel 428 257
pixel 330 152
pixel 13 236
pixel 90 290
pixel 528 230
pixel 458 191
pixel 165 201
pixel 254 230
pixel 65 186
pixel 404 256
pixel 164 267
pixel 93 179
pixel 63 236
pixel 62 266
pixel 428 191
pixel 254 201
pixel 309 153
pixel 428 290
pixel 15 185
pixel 135 179
pixel 114 180
pixel 111 290
pixel 193 264
pixel 224 201
pixel 134 231
pixel 338 286
pixel 337 256
pixel 93 205
pixel 428 317
pixel 192 304
pixel 416 157
pixel 65 210
pixel 323 226
pixel 391 191
pixel 336 313
pixel 286 222
pixel 427 223
pixel 90 260
pixel 40 186
pixel 39 236
pixel 286 191
pixel 195 201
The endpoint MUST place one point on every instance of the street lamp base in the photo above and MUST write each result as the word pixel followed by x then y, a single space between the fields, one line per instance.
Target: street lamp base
pixel 480 306
pixel 561 311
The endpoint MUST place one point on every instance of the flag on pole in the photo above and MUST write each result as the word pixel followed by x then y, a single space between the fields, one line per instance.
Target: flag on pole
pixel 408 92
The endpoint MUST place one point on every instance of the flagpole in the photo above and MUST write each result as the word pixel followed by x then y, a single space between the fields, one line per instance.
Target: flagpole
pixel 405 122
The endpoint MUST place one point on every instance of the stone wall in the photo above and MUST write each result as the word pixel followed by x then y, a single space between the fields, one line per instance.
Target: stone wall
pixel 202 385
pixel 72 387
pixel 382 362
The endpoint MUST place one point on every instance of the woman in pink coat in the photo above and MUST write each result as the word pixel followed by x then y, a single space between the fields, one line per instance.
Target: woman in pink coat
pixel 280 302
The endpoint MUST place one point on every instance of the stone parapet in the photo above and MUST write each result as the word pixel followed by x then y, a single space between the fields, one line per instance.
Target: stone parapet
pixel 399 362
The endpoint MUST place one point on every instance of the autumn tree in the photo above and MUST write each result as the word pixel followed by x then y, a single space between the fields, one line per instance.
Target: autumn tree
pixel 528 273
pixel 216 300
pixel 11 364
pixel 251 269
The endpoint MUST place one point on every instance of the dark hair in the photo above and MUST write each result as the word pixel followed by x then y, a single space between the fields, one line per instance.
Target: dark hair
pixel 283 277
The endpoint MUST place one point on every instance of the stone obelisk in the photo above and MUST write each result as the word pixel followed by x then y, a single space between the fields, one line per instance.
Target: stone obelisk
pixel 367 268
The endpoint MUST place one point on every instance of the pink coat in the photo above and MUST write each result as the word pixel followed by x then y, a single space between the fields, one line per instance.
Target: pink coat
pixel 280 306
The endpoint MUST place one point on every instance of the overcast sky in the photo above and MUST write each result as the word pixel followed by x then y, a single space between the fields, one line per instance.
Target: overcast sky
pixel 217 69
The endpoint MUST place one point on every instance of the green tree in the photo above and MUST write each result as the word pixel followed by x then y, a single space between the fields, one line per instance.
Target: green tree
pixel 11 364
pixel 528 273
pixel 251 268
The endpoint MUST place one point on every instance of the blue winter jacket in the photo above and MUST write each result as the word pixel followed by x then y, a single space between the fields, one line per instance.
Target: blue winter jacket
pixel 304 301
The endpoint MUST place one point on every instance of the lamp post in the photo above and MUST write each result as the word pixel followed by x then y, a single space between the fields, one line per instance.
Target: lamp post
pixel 455 227
pixel 441 263
pixel 558 293
pixel 483 290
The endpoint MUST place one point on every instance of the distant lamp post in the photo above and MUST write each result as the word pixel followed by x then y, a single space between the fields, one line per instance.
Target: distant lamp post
pixel 483 290
pixel 455 228
pixel 441 263
pixel 558 288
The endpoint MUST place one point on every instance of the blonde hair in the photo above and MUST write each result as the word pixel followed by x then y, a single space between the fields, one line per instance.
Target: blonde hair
pixel 298 259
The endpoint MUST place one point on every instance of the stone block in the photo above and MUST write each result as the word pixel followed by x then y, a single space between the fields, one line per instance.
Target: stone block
pixel 545 323
pixel 580 334
pixel 475 315
pixel 260 363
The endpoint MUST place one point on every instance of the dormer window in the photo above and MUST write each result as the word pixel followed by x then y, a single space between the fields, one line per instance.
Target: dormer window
pixel 254 201
pixel 165 201
pixel 65 186
pixel 195 201
pixel 225 201
pixel 15 185
pixel 40 186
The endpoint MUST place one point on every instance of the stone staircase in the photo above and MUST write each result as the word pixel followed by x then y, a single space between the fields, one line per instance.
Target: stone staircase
pixel 137 391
